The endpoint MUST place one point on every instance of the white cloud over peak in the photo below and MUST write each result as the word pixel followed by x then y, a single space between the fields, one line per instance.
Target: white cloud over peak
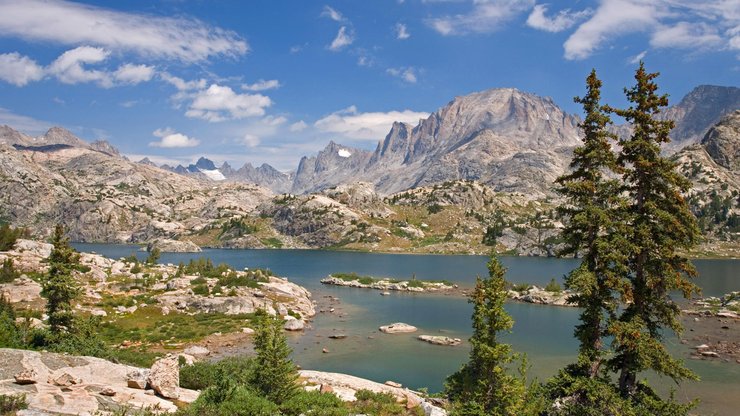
pixel 402 32
pixel 351 124
pixel 332 14
pixel 68 23
pixel 69 67
pixel 565 19
pixel 406 74
pixel 298 126
pixel 262 85
pixel 612 18
pixel 486 16
pixel 170 139
pixel 19 70
pixel 219 103
pixel 344 38
pixel 249 140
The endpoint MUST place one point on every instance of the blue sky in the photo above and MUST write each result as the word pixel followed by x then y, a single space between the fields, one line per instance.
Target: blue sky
pixel 272 80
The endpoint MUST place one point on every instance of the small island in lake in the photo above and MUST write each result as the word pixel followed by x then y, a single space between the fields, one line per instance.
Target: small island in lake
pixel 387 284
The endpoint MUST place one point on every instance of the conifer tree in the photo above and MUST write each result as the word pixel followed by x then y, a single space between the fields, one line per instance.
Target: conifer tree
pixel 275 374
pixel 483 386
pixel 60 287
pixel 660 226
pixel 592 221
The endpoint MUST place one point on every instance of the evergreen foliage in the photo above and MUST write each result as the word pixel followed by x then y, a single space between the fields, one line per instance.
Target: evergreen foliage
pixel 274 375
pixel 660 225
pixel 8 273
pixel 153 256
pixel 10 335
pixel 9 235
pixel 59 286
pixel 484 386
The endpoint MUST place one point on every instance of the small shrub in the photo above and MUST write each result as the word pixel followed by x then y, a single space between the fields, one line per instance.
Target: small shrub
pixel 553 286
pixel 136 268
pixel 10 403
pixel 202 375
pixel 9 235
pixel 314 403
pixel 201 290
pixel 8 273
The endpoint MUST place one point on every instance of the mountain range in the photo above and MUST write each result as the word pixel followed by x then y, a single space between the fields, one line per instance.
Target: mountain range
pixel 511 140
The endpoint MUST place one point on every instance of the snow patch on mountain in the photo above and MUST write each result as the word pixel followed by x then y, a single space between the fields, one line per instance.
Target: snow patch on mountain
pixel 344 153
pixel 214 175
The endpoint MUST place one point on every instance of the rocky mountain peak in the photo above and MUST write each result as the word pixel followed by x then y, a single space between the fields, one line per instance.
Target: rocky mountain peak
pixel 722 142
pixel 10 136
pixel 205 164
pixel 60 135
pixel 105 147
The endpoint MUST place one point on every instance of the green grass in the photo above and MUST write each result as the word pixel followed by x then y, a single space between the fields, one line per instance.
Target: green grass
pixel 272 242
pixel 148 325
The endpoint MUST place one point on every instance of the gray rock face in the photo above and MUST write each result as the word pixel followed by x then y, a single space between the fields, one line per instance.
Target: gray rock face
pixel 264 175
pixel 334 165
pixel 173 246
pixel 164 377
pixel 722 142
pixel 698 111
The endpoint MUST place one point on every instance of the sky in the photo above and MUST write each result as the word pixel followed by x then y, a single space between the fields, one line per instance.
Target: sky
pixel 272 80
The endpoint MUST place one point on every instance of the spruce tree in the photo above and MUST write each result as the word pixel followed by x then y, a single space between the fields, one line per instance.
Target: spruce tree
pixel 592 216
pixel 59 286
pixel 275 374
pixel 484 386
pixel 660 227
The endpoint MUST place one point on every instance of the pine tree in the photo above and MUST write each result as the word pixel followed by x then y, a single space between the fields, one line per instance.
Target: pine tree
pixel 275 374
pixel 60 287
pixel 483 386
pixel 592 222
pixel 660 225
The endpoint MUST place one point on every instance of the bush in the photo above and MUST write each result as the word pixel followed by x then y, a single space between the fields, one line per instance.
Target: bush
pixel 12 403
pixel 201 290
pixel 8 273
pixel 372 403
pixel 10 336
pixel 202 375
pixel 9 235
pixel 314 403
pixel 239 401
pixel 553 286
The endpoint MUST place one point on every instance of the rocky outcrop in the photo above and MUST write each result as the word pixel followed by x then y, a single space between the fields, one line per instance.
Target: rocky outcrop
pixel 173 246
pixel 397 328
pixel 64 384
pixel 541 296
pixel 387 284
pixel 440 340
pixel 164 377
pixel 722 142
pixel 345 387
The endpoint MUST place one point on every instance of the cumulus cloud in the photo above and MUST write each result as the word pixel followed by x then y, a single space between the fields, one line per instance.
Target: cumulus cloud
pixel 181 84
pixel 486 16
pixel 406 74
pixel 332 14
pixel 565 19
pixel 219 103
pixel 133 74
pixel 344 38
pixel 298 126
pixel 262 85
pixel 69 67
pixel 171 139
pixel 19 70
pixel 402 32
pixel 70 23
pixel 612 18
pixel 249 140
pixel 686 35
pixel 351 124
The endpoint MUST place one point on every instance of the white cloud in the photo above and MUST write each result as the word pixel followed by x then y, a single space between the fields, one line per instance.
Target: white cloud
pixel 25 124
pixel 487 16
pixel 274 121
pixel 352 124
pixel 133 74
pixel 332 14
pixel 364 60
pixel 407 74
pixel 129 104
pixel 70 23
pixel 170 139
pixel 612 18
pixel 565 19
pixel 19 70
pixel 637 58
pixel 344 38
pixel 262 85
pixel 219 103
pixel 686 35
pixel 69 66
pixel 181 84
pixel 402 31
pixel 298 126
pixel 249 140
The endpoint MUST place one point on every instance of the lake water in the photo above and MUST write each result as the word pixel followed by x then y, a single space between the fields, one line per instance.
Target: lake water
pixel 544 333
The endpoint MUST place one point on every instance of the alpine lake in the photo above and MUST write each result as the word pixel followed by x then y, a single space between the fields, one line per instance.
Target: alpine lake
pixel 543 333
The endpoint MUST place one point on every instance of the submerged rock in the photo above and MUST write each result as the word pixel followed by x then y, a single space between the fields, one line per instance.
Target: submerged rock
pixel 440 340
pixel 397 328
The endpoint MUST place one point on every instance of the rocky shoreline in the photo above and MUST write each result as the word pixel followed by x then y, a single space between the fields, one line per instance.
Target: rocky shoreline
pixel 385 285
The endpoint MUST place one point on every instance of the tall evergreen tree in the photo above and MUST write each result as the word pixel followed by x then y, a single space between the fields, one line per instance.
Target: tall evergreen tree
pixel 60 287
pixel 484 386
pixel 661 225
pixel 275 374
pixel 592 221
